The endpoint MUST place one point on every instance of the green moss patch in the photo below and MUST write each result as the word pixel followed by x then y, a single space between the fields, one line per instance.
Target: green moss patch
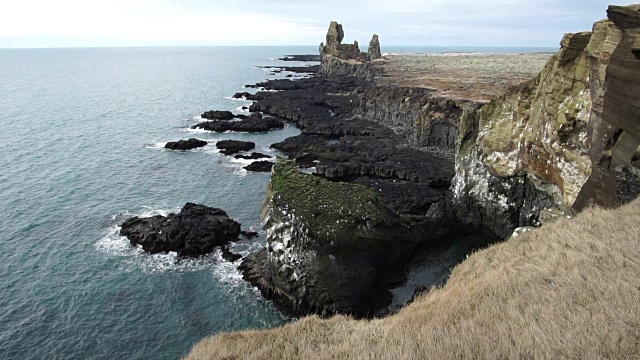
pixel 335 215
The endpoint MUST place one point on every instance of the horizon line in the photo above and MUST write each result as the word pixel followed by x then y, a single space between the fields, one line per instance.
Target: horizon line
pixel 265 46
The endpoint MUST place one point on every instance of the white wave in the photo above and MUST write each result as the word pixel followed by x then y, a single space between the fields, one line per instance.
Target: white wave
pixel 237 99
pixel 158 145
pixel 240 108
pixel 243 162
pixel 196 131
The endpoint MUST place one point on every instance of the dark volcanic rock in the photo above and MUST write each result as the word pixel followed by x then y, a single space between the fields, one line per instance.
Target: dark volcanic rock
pixel 301 58
pixel 230 256
pixel 259 166
pixel 331 247
pixel 253 156
pixel 247 96
pixel 196 230
pixel 229 147
pixel 253 123
pixel 374 48
pixel 185 144
pixel 218 115
pixel 294 69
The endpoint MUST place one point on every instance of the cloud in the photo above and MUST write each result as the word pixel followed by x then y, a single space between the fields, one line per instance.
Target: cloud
pixel 289 22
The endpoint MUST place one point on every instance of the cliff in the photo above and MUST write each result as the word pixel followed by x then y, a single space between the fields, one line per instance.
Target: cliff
pixel 566 139
pixel 536 154
pixel 329 245
pixel 568 290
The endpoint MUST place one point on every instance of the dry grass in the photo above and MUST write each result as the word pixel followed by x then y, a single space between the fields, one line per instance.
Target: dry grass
pixel 568 290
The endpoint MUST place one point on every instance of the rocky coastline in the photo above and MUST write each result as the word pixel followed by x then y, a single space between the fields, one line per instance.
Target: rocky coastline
pixel 382 170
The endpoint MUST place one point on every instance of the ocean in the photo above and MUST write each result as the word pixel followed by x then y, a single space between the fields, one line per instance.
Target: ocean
pixel 81 149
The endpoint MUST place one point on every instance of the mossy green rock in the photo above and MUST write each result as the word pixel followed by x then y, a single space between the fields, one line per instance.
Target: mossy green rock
pixel 328 245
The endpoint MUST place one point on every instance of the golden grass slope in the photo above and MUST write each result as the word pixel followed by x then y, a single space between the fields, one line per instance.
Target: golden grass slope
pixel 568 290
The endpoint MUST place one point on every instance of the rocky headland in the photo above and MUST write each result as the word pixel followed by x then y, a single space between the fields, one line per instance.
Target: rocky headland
pixel 398 154
pixel 403 153
pixel 441 159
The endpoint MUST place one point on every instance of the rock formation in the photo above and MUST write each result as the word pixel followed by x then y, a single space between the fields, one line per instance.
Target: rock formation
pixel 340 59
pixel 217 115
pixel 229 147
pixel 328 244
pixel 194 231
pixel 185 144
pixel 374 48
pixel 253 123
pixel 259 166
pixel 561 141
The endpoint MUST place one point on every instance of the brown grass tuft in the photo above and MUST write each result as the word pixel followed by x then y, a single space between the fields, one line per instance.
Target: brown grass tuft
pixel 568 290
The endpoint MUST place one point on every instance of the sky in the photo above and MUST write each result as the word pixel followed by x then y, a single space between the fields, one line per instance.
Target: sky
pixel 102 23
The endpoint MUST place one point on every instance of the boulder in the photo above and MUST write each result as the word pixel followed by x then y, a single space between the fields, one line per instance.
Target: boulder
pixel 194 231
pixel 218 115
pixel 185 144
pixel 229 147
pixel 259 166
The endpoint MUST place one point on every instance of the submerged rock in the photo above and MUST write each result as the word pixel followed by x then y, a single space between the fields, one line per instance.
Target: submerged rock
pixel 185 144
pixel 218 115
pixel 194 231
pixel 259 166
pixel 300 58
pixel 229 147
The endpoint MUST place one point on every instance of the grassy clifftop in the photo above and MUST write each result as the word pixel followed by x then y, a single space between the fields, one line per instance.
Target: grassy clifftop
pixel 568 290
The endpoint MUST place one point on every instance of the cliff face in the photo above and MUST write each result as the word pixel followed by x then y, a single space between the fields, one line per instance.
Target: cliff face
pixel 423 119
pixel 329 245
pixel 563 140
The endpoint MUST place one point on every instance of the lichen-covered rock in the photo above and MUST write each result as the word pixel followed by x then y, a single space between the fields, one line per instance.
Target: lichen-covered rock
pixel 565 132
pixel 329 245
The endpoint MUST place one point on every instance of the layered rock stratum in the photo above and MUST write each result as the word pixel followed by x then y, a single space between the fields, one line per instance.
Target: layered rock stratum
pixel 564 140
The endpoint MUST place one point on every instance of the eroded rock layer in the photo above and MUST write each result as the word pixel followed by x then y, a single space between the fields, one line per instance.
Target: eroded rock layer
pixel 568 133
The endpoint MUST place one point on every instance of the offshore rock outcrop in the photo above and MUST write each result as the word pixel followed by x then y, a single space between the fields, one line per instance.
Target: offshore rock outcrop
pixel 230 147
pixel 561 141
pixel 194 231
pixel 192 143
pixel 252 124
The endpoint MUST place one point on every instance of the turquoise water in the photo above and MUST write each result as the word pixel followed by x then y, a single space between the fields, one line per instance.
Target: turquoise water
pixel 81 142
